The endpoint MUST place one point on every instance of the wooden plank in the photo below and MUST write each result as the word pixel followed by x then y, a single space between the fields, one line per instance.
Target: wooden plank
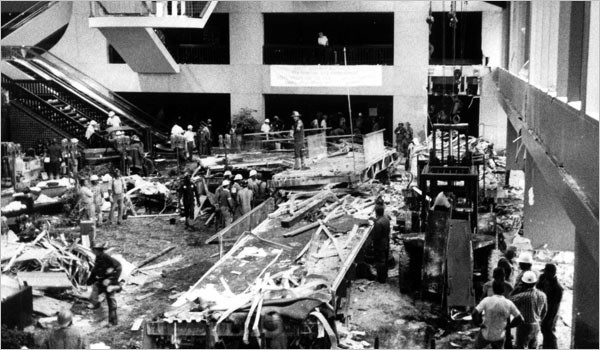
pixel 49 306
pixel 45 280
pixel 247 222
pixel 301 230
pixel 289 222
pixel 460 265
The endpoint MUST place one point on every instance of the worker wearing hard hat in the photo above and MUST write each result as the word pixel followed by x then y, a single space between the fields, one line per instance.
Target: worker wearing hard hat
pixel 190 136
pixel 224 204
pixel 98 198
pixel 266 128
pixel 525 262
pixel 533 305
pixel 252 182
pixel 236 187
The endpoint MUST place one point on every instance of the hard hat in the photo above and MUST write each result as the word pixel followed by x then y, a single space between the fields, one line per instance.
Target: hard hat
pixel 190 127
pixel 98 245
pixel 74 140
pixel 238 177
pixel 64 318
pixel 252 172
pixel 225 183
pixel 529 277
pixel 525 258
pixel 111 114
pixel 94 177
pixel 267 121
pixel 135 138
pixel 227 173
pixel 295 114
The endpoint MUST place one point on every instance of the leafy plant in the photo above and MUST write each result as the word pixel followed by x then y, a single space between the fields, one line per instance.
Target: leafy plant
pixel 246 119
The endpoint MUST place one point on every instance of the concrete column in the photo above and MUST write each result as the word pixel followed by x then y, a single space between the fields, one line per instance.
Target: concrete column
pixel 585 289
pixel 411 58
pixel 246 40
pixel 492 118
pixel 553 9
pixel 535 31
pixel 491 31
pixel 593 74
pixel 564 29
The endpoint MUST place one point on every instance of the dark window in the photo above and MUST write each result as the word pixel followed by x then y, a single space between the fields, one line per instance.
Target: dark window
pixel 460 45
pixel 113 56
pixel 209 45
pixel 291 38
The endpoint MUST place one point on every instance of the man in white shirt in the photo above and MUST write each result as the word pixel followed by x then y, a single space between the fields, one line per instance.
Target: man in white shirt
pixel 324 122
pixel 189 135
pixel 113 120
pixel 322 40
pixel 266 128
pixel 496 311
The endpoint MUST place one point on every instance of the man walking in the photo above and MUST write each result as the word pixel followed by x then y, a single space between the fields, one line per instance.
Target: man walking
pixel 533 306
pixel 189 135
pixel 496 311
pixel 298 132
pixel 118 189
pixel 554 291
pixel 104 278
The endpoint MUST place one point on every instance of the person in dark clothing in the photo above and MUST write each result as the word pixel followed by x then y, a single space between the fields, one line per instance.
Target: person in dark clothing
pixel 508 264
pixel 525 261
pixel 104 278
pixel 66 336
pixel 188 194
pixel 55 155
pixel 298 132
pixel 381 243
pixel 554 291
pixel 533 305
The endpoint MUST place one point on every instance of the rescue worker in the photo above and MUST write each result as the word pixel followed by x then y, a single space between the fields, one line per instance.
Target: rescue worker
pixel 298 133
pixel 224 205
pixel 245 198
pixel 86 198
pixel 189 135
pixel 98 198
pixel 496 311
pixel 104 278
pixel 549 284
pixel 136 153
pixel 227 175
pixel 263 192
pixel 236 187
pixel 525 261
pixel 117 192
pixel 65 336
pixel 188 194
pixel 252 182
pixel 533 305
pixel 381 243
pixel 508 263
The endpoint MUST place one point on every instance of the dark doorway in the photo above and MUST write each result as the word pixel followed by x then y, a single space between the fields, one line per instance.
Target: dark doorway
pixel 468 111
pixel 371 107
pixel 192 107
pixel 460 45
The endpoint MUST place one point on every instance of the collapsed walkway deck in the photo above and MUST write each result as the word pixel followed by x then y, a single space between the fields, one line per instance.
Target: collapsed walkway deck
pixel 272 269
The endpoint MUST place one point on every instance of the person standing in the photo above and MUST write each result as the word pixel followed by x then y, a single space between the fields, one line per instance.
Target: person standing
pixel 266 128
pixel 323 43
pixel 525 262
pixel 245 198
pixel 498 275
pixel 66 336
pixel 277 125
pixel 532 304
pixel 209 136
pixel 298 132
pixel 409 132
pixel 188 195
pixel 324 123
pixel 236 187
pixel 548 283
pixel 86 198
pixel 507 262
pixel 400 133
pixel 189 135
pixel 113 120
pixel 224 204
pixel 496 311
pixel 98 198
pixel 381 243
pixel 239 132
pixel 104 278
pixel 253 185
pixel 118 189
pixel 55 155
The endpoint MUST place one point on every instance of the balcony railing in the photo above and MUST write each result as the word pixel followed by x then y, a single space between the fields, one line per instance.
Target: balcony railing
pixel 313 55
pixel 194 9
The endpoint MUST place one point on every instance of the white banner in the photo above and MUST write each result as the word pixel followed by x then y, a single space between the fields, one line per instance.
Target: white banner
pixel 326 76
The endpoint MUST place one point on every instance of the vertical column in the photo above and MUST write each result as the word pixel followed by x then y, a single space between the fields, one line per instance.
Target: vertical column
pixel 585 289
pixel 593 74
pixel 562 76
pixel 411 61
pixel 535 43
pixel 553 8
pixel 246 39
pixel 576 51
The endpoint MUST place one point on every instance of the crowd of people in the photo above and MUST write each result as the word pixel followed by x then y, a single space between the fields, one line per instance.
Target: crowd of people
pixel 517 298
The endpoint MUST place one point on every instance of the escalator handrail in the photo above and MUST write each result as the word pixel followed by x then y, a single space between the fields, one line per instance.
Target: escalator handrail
pixel 26 16
pixel 43 102
pixel 112 100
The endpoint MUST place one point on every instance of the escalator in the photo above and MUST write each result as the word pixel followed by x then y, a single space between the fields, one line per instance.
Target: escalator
pixel 42 24
pixel 55 86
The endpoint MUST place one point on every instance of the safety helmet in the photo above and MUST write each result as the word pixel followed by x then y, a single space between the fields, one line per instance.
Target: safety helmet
pixel 225 183
pixel 529 277
pixel 252 172
pixel 525 258
pixel 227 173
pixel 94 177
pixel 267 121
pixel 238 177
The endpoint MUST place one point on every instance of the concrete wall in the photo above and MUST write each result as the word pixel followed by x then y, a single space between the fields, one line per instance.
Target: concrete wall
pixel 491 34
pixel 246 78
pixel 492 118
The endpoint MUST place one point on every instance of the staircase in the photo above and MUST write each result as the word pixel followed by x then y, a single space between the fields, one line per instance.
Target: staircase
pixel 41 102
pixel 42 24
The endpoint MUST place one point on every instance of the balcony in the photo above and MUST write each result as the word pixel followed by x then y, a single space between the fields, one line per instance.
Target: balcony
pixel 150 14
pixel 334 55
